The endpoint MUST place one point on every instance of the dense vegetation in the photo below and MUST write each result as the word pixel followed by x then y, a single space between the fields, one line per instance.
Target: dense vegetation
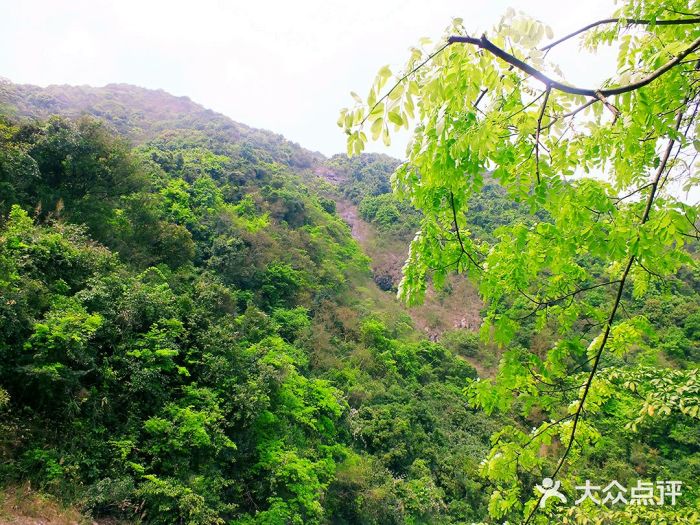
pixel 181 342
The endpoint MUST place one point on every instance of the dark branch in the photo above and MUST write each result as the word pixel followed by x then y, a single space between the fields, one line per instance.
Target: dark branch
pixel 650 272
pixel 524 108
pixel 539 130
pixel 546 429
pixel 481 95
pixel 572 113
pixel 618 199
pixel 539 305
pixel 514 62
pixel 486 44
pixel 675 11
pixel 459 235
pixel 552 302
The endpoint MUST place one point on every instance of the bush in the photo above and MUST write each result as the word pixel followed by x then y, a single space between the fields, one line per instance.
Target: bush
pixel 327 204
pixel 461 342
pixel 280 284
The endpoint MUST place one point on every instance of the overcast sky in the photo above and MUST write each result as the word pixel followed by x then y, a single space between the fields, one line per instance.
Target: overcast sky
pixel 287 66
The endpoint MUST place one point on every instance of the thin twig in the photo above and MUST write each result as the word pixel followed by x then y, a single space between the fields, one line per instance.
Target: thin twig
pixel 404 77
pixel 618 199
pixel 539 130
pixel 626 22
pixel 572 113
pixel 459 235
pixel 551 302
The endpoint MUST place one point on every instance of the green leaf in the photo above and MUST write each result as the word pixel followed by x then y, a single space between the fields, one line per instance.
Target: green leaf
pixel 395 117
pixel 376 128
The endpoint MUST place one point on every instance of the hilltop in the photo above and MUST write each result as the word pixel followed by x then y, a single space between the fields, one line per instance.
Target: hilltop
pixel 142 114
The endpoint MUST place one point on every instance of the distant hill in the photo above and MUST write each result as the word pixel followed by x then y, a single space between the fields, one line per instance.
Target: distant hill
pixel 142 114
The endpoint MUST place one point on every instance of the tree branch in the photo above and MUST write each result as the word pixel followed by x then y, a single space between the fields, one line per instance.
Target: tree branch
pixel 459 235
pixel 552 302
pixel 486 44
pixel 573 112
pixel 481 95
pixel 404 77
pixel 596 94
pixel 650 272
pixel 618 199
pixel 539 131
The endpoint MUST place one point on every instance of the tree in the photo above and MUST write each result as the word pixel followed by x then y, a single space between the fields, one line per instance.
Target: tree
pixel 601 169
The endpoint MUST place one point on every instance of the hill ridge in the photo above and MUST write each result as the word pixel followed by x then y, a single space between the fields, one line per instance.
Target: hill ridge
pixel 142 113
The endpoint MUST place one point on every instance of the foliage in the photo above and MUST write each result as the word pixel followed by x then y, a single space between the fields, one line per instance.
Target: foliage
pixel 193 351
pixel 600 172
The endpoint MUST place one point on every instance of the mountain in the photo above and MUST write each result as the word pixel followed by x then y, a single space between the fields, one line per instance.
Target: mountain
pixel 142 114
pixel 190 333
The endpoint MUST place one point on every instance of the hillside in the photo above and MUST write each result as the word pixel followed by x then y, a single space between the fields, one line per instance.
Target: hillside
pixel 142 115
pixel 384 227
pixel 193 295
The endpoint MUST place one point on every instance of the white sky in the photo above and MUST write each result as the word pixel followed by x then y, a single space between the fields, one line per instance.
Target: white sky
pixel 287 66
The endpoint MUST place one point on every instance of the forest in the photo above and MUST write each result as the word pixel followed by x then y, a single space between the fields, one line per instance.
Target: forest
pixel 204 323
